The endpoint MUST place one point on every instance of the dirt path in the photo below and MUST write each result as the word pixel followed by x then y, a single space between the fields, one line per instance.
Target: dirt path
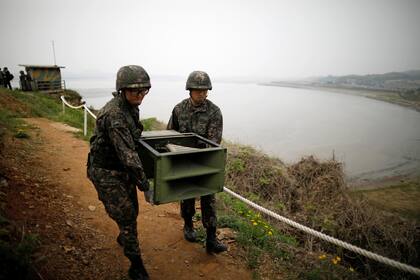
pixel 53 198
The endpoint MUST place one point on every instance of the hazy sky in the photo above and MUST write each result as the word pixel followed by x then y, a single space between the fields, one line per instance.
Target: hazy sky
pixel 273 39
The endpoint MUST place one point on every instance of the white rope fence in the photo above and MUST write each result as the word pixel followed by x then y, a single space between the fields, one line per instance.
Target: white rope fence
pixel 335 241
pixel 85 110
pixel 327 238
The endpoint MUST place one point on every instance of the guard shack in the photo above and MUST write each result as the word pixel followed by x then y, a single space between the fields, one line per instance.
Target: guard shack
pixel 44 77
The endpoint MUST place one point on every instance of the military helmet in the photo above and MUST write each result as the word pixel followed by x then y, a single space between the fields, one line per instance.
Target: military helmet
pixel 198 80
pixel 132 76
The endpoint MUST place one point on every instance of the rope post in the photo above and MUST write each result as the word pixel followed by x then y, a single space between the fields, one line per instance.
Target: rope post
pixel 85 121
pixel 64 106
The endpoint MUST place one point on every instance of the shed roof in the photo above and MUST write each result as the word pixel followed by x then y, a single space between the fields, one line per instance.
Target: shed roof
pixel 41 66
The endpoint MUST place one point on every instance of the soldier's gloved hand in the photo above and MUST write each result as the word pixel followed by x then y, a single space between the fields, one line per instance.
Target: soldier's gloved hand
pixel 148 196
pixel 202 145
pixel 143 185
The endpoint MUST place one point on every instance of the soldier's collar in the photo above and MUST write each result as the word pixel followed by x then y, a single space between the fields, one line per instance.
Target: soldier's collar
pixel 200 108
pixel 126 104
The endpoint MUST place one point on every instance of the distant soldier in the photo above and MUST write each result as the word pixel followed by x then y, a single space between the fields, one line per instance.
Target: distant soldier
pixel 114 166
pixel 1 78
pixel 199 115
pixel 28 82
pixel 7 77
pixel 22 80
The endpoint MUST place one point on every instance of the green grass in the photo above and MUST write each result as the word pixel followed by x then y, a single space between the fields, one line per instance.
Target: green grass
pixel 10 120
pixel 152 124
pixel 16 257
pixel 254 233
pixel 50 107
pixel 329 268
pixel 261 240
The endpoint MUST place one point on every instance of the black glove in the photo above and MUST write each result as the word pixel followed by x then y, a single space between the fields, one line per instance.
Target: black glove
pixel 148 196
pixel 202 145
pixel 143 185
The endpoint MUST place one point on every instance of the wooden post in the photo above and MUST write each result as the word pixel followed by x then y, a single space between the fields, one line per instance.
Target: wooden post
pixel 85 121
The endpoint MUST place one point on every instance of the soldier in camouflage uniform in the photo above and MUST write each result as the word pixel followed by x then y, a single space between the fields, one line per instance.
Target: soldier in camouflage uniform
pixel 199 115
pixel 1 78
pixel 7 77
pixel 23 83
pixel 114 166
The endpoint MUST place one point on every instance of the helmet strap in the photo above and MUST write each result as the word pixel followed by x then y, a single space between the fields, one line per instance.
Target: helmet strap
pixel 122 93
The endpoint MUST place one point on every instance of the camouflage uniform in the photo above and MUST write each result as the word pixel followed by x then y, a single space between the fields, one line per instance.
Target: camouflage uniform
pixel 115 169
pixel 206 120
pixel 1 78
pixel 7 77
pixel 22 80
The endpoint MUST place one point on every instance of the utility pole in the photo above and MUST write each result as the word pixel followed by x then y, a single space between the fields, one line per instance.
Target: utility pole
pixel 55 63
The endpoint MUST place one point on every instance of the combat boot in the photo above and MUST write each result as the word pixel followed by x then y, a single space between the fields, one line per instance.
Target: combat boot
pixel 189 232
pixel 212 244
pixel 137 271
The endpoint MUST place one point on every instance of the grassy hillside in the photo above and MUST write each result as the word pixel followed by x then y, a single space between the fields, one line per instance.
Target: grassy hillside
pixel 18 104
pixel 314 193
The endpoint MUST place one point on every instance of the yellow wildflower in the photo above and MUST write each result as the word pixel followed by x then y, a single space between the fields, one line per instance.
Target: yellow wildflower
pixel 254 223
pixel 338 258
pixel 351 269
pixel 270 233
pixel 334 261
pixel 322 257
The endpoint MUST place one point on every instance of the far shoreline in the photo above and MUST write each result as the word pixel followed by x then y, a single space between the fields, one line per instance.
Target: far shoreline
pixel 381 95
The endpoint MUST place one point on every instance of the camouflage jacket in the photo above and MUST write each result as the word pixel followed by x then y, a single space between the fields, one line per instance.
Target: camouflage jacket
pixel 7 76
pixel 206 120
pixel 114 143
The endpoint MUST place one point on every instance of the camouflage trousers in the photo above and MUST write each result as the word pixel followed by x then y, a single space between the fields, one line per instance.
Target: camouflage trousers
pixel 208 210
pixel 119 197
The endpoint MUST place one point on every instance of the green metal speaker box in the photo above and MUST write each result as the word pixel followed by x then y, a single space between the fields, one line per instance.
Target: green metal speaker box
pixel 182 165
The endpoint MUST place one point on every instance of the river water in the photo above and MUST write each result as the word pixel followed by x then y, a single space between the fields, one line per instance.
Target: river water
pixel 372 138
